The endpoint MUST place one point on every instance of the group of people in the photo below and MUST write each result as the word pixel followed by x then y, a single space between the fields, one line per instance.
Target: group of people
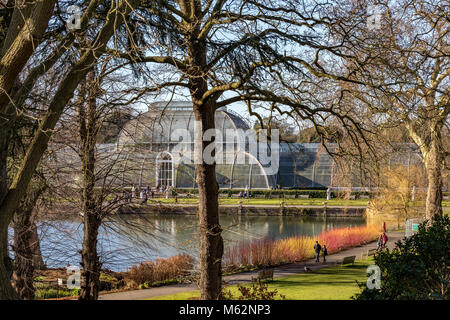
pixel 382 240
pixel 317 249
pixel 144 194
pixel 244 194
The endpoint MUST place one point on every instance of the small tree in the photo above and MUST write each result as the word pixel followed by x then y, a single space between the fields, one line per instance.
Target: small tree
pixel 397 189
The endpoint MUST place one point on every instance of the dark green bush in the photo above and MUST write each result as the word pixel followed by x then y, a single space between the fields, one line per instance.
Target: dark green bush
pixel 417 268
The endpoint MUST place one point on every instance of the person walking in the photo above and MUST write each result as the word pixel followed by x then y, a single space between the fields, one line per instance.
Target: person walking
pixel 133 192
pixel 324 253
pixel 384 239
pixel 145 198
pixel 317 249
pixel 380 242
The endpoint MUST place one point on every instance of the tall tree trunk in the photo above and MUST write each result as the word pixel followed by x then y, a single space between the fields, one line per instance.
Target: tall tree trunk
pixel 211 242
pixel 26 242
pixel 38 261
pixel 23 255
pixel 431 146
pixel 6 266
pixel 433 160
pixel 88 128
pixel 90 276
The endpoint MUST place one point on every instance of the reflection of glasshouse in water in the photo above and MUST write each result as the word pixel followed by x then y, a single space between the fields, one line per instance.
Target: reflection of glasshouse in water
pixel 157 149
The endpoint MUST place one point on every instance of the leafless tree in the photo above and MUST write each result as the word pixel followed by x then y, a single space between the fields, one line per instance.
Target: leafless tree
pixel 30 47
pixel 403 67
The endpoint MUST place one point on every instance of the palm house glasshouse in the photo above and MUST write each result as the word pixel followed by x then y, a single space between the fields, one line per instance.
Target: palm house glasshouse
pixel 157 148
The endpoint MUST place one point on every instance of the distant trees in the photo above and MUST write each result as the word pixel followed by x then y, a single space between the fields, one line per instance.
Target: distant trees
pixel 286 130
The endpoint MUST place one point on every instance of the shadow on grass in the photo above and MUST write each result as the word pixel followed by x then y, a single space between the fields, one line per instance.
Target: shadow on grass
pixel 344 275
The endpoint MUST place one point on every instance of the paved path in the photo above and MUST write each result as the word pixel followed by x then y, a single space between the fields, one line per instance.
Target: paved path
pixel 244 277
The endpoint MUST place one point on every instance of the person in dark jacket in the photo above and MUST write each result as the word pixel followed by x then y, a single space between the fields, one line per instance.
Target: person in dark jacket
pixel 324 253
pixel 317 249
pixel 380 242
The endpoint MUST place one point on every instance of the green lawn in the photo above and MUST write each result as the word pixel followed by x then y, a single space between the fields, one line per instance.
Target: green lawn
pixel 332 283
pixel 300 202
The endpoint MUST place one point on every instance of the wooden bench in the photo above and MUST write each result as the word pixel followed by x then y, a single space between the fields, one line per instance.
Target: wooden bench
pixel 303 196
pixel 364 197
pixel 290 196
pixel 264 274
pixel 352 197
pixel 368 253
pixel 347 260
pixel 223 195
pixel 445 198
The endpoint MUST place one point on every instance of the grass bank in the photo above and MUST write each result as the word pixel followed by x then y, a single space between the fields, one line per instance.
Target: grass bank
pixel 330 283
pixel 275 202
pixel 292 202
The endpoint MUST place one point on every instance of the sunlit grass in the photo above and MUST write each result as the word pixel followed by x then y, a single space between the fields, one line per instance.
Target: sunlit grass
pixel 331 283
pixel 299 202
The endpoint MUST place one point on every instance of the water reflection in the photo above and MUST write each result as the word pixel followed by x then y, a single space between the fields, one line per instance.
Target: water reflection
pixel 129 239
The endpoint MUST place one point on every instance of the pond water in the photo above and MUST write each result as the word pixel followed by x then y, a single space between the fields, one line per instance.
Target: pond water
pixel 125 240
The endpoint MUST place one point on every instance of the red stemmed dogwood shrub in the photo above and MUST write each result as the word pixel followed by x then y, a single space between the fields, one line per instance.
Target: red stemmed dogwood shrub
pixel 269 252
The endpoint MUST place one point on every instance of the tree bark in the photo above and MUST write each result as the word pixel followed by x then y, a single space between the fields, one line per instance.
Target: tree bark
pixel 433 160
pixel 38 261
pixel 24 34
pixel 88 128
pixel 6 266
pixel 27 253
pixel 23 255
pixel 211 242
pixel 90 276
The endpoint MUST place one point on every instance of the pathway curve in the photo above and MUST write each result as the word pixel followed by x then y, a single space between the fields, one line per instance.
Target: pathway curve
pixel 244 277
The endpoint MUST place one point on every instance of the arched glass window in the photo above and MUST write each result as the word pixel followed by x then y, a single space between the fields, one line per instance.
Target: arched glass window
pixel 164 170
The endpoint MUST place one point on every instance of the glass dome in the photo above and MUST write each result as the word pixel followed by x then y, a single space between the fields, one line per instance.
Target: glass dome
pixel 168 130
